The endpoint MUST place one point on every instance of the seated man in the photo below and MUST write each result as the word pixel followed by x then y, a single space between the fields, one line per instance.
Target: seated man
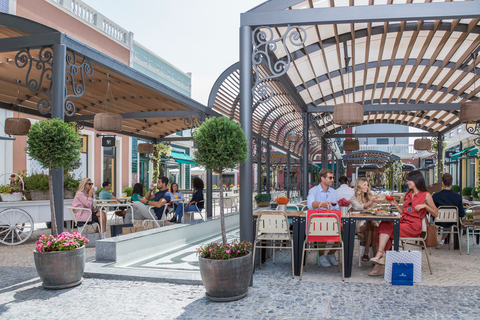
pixel 160 199
pixel 447 197
pixel 105 195
pixel 344 191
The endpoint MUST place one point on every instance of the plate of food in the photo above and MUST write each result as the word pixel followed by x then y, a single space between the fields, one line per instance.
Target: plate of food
pixel 378 212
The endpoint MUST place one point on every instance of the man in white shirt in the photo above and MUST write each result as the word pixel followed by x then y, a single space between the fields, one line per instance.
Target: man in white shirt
pixel 344 191
pixel 324 197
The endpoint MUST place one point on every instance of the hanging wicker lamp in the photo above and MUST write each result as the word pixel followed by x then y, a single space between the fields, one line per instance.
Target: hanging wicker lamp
pixel 110 122
pixel 349 114
pixel 145 148
pixel 470 112
pixel 17 126
pixel 293 137
pixel 351 145
pixel 422 144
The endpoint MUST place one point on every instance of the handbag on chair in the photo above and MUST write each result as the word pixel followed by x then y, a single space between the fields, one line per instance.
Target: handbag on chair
pixel 431 240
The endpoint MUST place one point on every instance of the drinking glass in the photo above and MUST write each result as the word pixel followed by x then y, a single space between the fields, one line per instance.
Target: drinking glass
pixel 389 197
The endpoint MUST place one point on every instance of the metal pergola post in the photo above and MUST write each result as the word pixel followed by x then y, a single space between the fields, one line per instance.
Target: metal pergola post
pixel 209 193
pixel 287 180
pixel 439 157
pixel 267 169
pixel 305 156
pixel 259 165
pixel 246 232
pixel 58 100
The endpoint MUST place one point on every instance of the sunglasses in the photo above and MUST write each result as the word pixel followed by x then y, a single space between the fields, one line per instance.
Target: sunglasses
pixel 331 178
pixel 409 207
pixel 90 183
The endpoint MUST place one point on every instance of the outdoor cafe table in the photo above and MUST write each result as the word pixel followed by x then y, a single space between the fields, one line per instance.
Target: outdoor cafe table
pixel 348 230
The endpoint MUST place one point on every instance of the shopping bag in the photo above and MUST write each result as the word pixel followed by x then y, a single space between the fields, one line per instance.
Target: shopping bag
pixel 92 238
pixel 414 257
pixel 132 229
pixel 402 274
pixel 116 229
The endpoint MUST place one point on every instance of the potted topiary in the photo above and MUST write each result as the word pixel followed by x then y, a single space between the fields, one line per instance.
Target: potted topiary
pixel 455 188
pixel 225 268
pixel 263 199
pixel 475 194
pixel 54 144
pixel 466 193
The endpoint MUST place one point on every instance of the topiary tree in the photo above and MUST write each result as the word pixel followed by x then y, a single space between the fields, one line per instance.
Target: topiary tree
pixel 220 144
pixel 54 143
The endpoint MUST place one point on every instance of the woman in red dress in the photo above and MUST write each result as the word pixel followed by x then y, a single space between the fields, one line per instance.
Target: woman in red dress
pixel 417 201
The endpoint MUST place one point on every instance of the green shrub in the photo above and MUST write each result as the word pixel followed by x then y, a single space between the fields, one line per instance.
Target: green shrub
pixel 455 188
pixel 128 191
pixel 70 183
pixel 475 193
pixel 467 192
pixel 37 182
pixel 263 197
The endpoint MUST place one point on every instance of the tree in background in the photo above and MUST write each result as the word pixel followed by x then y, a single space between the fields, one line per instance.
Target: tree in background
pixel 220 144
pixel 54 144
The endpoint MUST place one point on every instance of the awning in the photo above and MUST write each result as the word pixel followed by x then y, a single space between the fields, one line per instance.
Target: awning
pixel 182 158
pixel 474 151
pixel 455 156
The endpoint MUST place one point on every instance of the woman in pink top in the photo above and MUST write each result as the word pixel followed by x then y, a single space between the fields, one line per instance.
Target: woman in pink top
pixel 84 199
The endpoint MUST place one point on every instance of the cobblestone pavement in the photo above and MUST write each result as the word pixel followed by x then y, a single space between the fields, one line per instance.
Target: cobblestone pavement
pixel 452 292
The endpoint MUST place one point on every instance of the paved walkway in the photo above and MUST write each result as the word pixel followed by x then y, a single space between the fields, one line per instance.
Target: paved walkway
pixel 452 292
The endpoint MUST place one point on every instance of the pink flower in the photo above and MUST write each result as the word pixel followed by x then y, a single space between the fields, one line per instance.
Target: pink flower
pixel 228 251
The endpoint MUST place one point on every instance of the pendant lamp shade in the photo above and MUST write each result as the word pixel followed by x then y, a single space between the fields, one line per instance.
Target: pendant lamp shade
pixel 17 126
pixel 145 148
pixel 348 114
pixel 422 144
pixel 470 112
pixel 351 145
pixel 293 137
pixel 110 122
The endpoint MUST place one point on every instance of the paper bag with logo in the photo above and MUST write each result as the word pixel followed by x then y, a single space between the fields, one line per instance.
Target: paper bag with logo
pixel 413 257
pixel 402 274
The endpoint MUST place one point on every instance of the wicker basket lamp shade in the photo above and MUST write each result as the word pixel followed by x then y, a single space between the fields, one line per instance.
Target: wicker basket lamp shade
pixel 293 137
pixel 17 126
pixel 422 144
pixel 351 145
pixel 110 122
pixel 145 148
pixel 348 114
pixel 470 112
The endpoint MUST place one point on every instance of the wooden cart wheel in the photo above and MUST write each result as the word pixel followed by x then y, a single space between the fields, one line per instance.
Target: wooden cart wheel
pixel 16 226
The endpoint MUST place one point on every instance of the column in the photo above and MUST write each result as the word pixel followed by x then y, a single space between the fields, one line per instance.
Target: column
pixel 305 156
pixel 259 165
pixel 267 168
pixel 209 193
pixel 287 180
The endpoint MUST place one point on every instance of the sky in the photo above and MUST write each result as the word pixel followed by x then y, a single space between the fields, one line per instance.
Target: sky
pixel 197 36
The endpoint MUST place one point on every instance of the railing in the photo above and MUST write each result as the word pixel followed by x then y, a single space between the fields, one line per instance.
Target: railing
pixel 95 18
pixel 395 149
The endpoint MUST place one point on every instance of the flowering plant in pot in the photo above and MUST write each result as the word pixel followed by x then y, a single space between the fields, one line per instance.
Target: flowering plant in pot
pixel 220 144
pixel 8 193
pixel 60 261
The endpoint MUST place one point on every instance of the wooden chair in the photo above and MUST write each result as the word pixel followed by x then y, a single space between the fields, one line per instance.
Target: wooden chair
pixel 272 229
pixel 420 241
pixel 449 214
pixel 323 229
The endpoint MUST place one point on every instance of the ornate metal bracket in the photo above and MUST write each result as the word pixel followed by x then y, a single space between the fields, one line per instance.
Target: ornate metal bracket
pixel 476 131
pixel 193 123
pixel 41 86
pixel 77 88
pixel 325 119
pixel 264 46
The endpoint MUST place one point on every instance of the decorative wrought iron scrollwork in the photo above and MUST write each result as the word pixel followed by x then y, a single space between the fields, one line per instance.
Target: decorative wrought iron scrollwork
pixel 193 122
pixel 72 68
pixel 264 46
pixel 473 129
pixel 41 86
pixel 324 119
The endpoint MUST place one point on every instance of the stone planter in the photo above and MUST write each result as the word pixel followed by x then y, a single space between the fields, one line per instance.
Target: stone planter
pixel 226 280
pixel 36 195
pixel 60 269
pixel 263 204
pixel 67 194
pixel 11 197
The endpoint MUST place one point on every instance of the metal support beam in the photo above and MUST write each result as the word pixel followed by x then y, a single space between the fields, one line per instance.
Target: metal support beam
pixel 58 101
pixel 380 135
pixel 246 232
pixel 144 115
pixel 305 156
pixel 267 169
pixel 324 153
pixel 439 157
pixel 395 107
pixel 287 180
pixel 177 138
pixel 362 14
pixel 209 193
pixel 259 165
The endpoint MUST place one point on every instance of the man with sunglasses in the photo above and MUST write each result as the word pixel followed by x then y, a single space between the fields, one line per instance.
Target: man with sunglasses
pixel 324 197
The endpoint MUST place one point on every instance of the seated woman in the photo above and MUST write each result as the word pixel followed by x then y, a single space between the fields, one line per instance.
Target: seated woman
pixel 190 206
pixel 364 199
pixel 174 194
pixel 84 199
pixel 417 202
pixel 140 210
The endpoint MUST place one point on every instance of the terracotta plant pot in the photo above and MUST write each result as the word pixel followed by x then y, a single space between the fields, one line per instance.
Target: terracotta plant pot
pixel 60 269
pixel 226 280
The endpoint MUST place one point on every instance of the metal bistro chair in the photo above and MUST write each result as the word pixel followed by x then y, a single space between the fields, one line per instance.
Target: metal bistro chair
pixel 95 226
pixel 191 214
pixel 272 229
pixel 323 229
pixel 154 220
pixel 421 239
pixel 472 227
pixel 449 214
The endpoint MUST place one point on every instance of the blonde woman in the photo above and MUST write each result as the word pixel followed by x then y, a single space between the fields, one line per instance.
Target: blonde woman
pixel 364 199
pixel 84 199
